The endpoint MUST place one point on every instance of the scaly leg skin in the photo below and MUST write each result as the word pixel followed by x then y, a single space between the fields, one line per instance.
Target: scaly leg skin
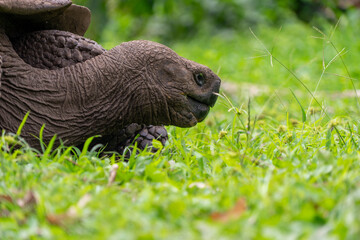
pixel 54 49
pixel 134 133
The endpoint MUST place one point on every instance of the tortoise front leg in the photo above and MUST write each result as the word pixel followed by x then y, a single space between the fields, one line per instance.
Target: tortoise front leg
pixel 131 134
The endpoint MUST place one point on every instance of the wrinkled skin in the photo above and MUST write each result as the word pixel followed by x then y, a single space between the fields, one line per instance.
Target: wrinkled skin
pixel 136 82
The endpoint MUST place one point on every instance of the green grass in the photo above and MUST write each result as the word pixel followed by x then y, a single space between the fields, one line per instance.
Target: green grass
pixel 254 169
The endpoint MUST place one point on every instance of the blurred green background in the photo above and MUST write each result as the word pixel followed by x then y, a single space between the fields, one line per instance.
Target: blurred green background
pixel 168 21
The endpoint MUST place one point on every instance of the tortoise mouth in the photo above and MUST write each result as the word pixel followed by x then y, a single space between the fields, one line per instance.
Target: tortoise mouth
pixel 199 109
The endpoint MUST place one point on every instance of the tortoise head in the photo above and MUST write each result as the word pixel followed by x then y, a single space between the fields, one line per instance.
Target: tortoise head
pixel 185 90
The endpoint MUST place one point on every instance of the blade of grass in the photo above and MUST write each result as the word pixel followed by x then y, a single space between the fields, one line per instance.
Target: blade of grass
pixel 22 123
pixel 352 136
pixel 49 147
pixel 298 79
pixel 86 146
pixel 65 154
pixel 290 71
pixel 42 145
pixel 302 109
pixel 341 58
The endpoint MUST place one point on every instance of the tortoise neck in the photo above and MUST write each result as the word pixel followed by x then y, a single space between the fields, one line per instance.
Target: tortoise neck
pixel 90 98
pixel 105 89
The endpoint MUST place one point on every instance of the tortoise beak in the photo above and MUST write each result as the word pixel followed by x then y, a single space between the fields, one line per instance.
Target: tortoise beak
pixel 200 104
pixel 199 110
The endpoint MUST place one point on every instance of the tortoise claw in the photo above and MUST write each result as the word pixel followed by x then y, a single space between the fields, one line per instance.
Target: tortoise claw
pixel 142 135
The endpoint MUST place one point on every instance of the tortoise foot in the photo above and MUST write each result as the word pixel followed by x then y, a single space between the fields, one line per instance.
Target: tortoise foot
pixel 125 138
pixel 142 135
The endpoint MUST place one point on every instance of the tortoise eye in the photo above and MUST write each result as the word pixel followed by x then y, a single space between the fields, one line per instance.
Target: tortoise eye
pixel 199 79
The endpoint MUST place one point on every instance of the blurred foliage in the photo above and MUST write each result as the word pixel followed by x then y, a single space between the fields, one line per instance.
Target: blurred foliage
pixel 165 21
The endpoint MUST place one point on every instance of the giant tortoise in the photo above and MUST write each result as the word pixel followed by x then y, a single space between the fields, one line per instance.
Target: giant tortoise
pixel 77 89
